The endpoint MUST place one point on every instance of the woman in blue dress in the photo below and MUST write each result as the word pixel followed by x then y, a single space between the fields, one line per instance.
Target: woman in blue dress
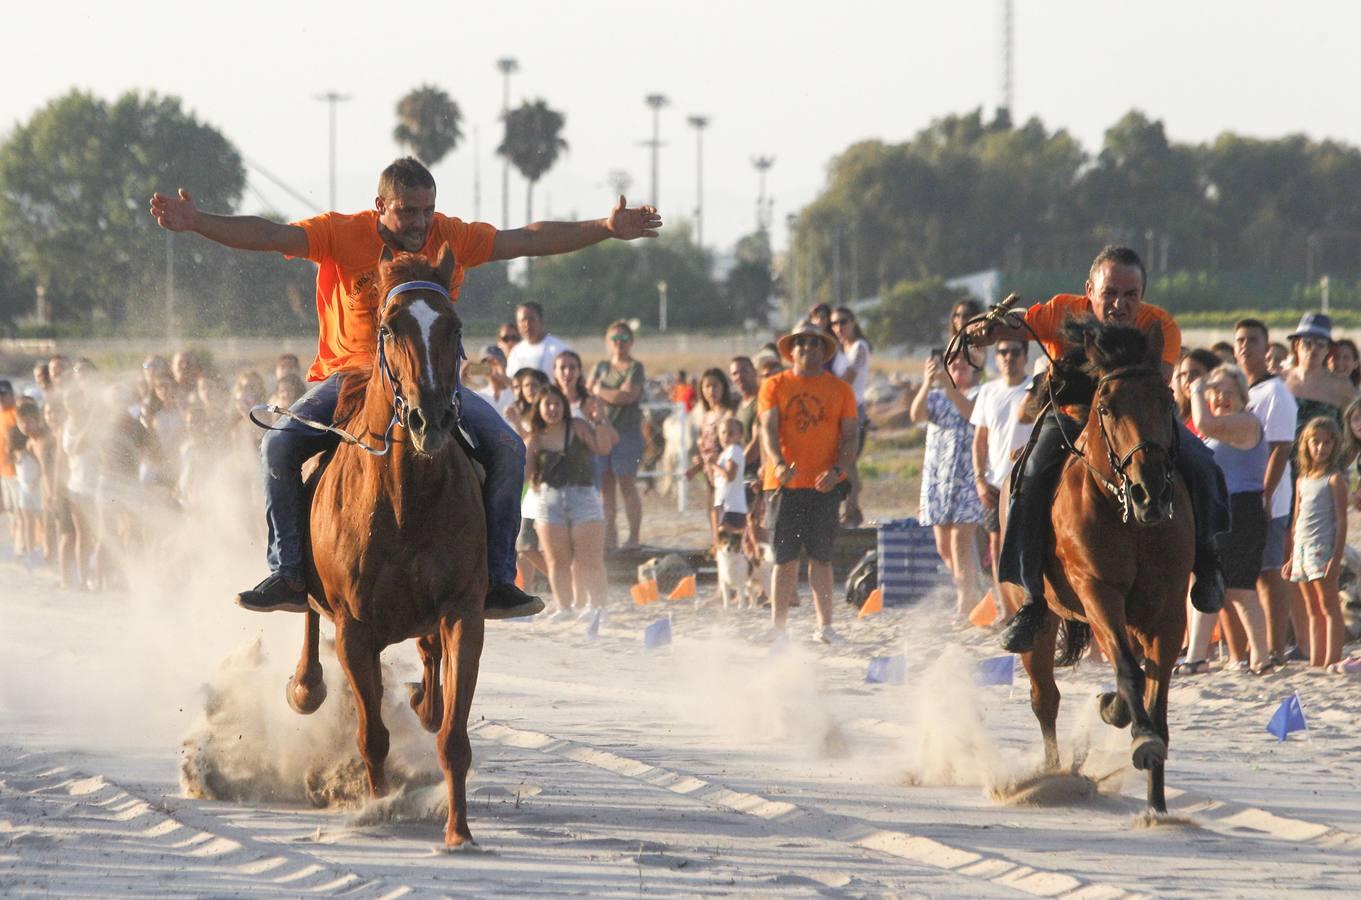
pixel 949 499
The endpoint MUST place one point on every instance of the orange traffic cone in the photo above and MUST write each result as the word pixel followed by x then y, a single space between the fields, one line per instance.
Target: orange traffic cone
pixel 684 588
pixel 644 592
pixel 985 613
pixel 873 603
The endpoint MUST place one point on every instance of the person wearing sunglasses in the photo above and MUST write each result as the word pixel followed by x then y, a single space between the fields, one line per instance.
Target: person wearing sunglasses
pixel 809 426
pixel 618 382
pixel 507 336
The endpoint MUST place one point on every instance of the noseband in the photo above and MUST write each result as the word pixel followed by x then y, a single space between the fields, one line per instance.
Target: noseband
pixel 400 406
pixel 1120 464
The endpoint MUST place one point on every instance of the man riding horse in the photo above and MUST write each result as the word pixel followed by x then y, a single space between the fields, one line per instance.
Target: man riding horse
pixel 1115 294
pixel 347 249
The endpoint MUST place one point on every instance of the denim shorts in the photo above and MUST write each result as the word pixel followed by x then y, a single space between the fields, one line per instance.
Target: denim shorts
pixel 1273 555
pixel 569 505
pixel 625 457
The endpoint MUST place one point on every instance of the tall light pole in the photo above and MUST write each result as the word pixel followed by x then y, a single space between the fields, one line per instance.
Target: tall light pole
pixel 661 306
pixel 506 66
pixel 762 164
pixel 699 123
pixel 656 101
pixel 331 98
pixel 1008 50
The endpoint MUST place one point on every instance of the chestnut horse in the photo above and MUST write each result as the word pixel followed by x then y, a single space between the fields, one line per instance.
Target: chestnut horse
pixel 1123 543
pixel 398 543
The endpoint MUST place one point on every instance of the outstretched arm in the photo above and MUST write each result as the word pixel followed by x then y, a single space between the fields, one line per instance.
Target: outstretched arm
pixel 178 213
pixel 551 238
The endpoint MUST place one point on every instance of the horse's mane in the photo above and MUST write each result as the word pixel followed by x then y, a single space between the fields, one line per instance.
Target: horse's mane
pixel 401 268
pixel 1074 374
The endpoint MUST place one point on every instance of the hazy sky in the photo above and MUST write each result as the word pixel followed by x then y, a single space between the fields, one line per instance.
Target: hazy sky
pixel 793 79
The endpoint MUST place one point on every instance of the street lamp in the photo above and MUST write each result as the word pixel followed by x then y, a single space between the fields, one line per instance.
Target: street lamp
pixel 661 306
pixel 699 123
pixel 762 164
pixel 506 66
pixel 331 98
pixel 656 101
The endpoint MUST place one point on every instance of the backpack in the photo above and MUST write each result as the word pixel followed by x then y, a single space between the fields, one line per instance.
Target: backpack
pixel 862 579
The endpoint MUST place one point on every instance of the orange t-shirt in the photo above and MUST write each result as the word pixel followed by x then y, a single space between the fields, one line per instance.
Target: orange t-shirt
pixel 811 412
pixel 1047 319
pixel 8 419
pixel 347 249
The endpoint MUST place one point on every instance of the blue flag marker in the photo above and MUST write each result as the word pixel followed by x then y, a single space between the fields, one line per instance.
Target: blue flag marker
pixel 593 626
pixel 658 634
pixel 886 670
pixel 997 670
pixel 1289 716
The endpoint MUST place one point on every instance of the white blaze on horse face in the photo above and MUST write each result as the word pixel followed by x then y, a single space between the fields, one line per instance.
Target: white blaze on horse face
pixel 425 316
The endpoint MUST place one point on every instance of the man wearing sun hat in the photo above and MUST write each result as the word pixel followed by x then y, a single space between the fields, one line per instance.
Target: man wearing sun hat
pixel 809 429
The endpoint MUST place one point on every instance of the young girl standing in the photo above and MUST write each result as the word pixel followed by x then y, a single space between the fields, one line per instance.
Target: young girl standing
pixel 1313 553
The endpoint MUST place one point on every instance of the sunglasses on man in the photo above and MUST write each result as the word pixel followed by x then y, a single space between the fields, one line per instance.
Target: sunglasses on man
pixel 807 341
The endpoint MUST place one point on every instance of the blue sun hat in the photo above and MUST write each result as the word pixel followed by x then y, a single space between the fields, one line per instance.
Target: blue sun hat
pixel 1315 325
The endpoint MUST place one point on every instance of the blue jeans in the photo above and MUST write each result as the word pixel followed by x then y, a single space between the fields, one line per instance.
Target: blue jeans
pixel 499 451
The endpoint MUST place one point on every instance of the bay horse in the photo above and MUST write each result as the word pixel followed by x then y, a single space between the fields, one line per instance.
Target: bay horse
pixel 1123 543
pixel 397 543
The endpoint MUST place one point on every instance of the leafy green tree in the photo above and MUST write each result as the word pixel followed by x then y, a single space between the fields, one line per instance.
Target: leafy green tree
pixel 533 141
pixel 913 312
pixel 16 292
pixel 750 283
pixel 428 122
pixel 74 183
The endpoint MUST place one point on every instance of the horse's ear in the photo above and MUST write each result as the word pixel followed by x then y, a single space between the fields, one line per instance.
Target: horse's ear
pixel 444 265
pixel 1154 335
pixel 1089 345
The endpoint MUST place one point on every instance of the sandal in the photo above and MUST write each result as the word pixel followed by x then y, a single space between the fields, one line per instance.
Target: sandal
pixel 1266 668
pixel 1192 667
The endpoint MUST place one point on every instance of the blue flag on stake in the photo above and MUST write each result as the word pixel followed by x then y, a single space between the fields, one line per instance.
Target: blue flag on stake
pixel 658 634
pixel 593 626
pixel 886 670
pixel 1289 716
pixel 997 670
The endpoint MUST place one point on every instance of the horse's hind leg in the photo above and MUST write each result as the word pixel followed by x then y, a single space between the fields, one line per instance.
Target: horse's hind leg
pixel 358 652
pixel 1044 692
pixel 425 696
pixel 307 688
pixel 462 655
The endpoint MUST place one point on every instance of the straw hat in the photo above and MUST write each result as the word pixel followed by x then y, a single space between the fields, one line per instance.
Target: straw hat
pixel 786 343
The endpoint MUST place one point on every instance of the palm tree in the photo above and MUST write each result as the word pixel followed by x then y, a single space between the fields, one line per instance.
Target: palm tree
pixel 532 143
pixel 427 122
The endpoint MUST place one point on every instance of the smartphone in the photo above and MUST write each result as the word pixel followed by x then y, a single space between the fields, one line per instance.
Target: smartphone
pixel 938 352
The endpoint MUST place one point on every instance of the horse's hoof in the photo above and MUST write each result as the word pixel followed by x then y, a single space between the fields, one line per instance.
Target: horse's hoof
pixel 456 843
pixel 304 700
pixel 1149 751
pixel 1114 711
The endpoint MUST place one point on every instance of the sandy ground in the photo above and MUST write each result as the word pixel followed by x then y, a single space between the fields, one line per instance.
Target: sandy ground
pixel 722 764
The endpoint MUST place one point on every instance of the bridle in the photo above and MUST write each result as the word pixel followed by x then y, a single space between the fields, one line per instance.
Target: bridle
pixel 1120 464
pixel 400 406
pixel 1119 489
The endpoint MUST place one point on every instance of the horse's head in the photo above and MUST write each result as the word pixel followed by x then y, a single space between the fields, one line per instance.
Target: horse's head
pixel 419 336
pixel 1132 409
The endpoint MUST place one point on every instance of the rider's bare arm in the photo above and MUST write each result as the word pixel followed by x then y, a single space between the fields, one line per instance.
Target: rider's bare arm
pixel 551 238
pixel 178 213
pixel 985 334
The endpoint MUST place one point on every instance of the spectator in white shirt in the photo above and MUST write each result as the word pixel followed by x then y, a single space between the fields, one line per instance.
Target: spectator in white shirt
pixel 998 433
pixel 537 348
pixel 488 377
pixel 852 365
pixel 1274 405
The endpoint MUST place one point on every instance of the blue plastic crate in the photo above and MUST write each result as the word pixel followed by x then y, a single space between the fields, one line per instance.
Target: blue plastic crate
pixel 908 564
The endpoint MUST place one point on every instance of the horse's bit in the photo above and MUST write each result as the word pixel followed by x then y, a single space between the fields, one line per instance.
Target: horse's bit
pixel 399 402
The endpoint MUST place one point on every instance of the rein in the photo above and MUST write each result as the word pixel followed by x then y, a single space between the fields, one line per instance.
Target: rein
pixel 1004 314
pixel 400 406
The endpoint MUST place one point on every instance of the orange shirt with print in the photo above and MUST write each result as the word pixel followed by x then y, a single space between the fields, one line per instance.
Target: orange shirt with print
pixel 811 411
pixel 346 249
pixel 8 419
pixel 1047 320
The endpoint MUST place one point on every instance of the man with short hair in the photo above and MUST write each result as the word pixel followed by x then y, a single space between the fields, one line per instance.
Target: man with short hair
pixel 537 349
pixel 1114 295
pixel 809 425
pixel 998 432
pixel 347 250
pixel 287 364
pixel 507 336
pixel 1272 403
pixel 743 375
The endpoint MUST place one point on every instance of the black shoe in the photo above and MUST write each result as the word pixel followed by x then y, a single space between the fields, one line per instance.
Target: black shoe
pixel 1207 594
pixel 276 593
pixel 1029 622
pixel 506 601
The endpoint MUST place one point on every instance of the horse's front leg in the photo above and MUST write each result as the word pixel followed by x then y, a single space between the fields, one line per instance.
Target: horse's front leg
pixel 1105 609
pixel 1044 692
pixel 462 634
pixel 425 696
pixel 1162 650
pixel 307 687
pixel 358 652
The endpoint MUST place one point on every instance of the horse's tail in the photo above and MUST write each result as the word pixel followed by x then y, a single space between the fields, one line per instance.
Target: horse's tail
pixel 1074 637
